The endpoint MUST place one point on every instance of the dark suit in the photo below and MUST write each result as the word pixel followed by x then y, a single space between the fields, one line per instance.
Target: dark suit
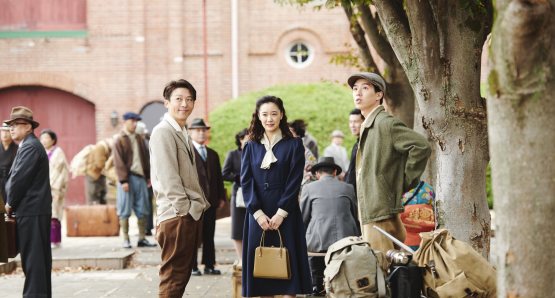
pixel 28 191
pixel 212 183
pixel 350 175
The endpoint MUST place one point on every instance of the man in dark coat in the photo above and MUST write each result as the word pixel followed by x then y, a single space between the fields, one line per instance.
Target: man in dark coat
pixel 355 120
pixel 212 183
pixel 29 196
pixel 329 213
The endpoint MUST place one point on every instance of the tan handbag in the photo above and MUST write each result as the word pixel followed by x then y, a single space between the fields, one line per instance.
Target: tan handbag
pixel 271 262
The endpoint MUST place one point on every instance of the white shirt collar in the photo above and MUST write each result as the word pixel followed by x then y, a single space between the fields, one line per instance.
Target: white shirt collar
pixel 197 145
pixel 175 125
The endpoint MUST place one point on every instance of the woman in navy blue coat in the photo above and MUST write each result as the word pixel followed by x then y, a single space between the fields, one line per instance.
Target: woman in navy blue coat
pixel 271 172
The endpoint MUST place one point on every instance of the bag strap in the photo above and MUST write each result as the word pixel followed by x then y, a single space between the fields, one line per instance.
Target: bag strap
pixel 381 282
pixel 416 190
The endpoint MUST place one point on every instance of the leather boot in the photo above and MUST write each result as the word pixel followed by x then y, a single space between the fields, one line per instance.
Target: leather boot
pixel 124 224
pixel 141 222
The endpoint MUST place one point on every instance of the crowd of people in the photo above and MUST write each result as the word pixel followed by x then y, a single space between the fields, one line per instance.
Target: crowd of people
pixel 279 184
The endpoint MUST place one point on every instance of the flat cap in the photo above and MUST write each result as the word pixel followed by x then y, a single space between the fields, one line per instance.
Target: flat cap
pixel 373 78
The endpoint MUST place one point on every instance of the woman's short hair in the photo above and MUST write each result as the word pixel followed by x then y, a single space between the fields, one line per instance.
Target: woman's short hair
pixel 241 134
pixel 51 133
pixel 299 127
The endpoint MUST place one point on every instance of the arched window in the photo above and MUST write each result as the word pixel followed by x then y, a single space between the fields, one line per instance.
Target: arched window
pixel 299 54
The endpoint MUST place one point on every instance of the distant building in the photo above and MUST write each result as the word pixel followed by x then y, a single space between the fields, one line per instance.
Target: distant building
pixel 79 65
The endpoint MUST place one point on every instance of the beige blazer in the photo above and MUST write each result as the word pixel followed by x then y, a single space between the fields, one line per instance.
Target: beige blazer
pixel 174 175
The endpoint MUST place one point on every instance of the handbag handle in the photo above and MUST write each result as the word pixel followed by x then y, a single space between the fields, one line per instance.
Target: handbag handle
pixel 280 242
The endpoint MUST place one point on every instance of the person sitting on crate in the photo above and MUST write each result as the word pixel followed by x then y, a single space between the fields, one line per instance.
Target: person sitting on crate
pixel 329 209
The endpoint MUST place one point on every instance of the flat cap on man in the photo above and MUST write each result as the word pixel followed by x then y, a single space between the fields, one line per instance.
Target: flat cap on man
pixel 131 115
pixel 373 78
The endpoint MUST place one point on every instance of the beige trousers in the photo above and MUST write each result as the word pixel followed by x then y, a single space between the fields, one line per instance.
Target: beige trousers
pixel 377 240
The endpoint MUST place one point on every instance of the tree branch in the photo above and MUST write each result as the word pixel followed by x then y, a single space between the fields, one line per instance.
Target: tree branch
pixel 378 41
pixel 358 34
pixel 425 32
pixel 394 21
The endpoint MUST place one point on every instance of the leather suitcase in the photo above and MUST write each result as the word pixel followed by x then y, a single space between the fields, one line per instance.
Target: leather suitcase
pixel 11 229
pixel 95 220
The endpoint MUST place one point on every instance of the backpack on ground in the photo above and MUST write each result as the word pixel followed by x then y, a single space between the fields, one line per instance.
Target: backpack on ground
pixel 453 268
pixel 353 270
pixel 78 165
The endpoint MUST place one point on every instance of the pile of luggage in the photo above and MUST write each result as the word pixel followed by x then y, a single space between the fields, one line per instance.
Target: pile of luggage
pixel 441 267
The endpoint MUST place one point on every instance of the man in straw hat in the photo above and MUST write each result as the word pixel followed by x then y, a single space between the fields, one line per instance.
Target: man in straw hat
pixel 390 160
pixel 329 212
pixel 29 196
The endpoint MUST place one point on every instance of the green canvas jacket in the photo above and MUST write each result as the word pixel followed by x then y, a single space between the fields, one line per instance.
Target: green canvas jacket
pixel 390 160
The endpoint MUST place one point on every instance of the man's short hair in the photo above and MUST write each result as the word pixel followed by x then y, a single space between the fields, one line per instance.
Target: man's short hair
pixel 355 112
pixel 171 86
pixel 327 170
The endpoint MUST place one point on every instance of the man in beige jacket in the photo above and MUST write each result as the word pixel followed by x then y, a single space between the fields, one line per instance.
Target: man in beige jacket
pixel 179 196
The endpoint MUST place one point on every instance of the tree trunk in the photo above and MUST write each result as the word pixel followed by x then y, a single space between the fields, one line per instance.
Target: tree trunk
pixel 522 132
pixel 430 172
pixel 400 100
pixel 439 45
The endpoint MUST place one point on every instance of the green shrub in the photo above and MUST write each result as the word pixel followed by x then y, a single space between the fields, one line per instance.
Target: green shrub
pixel 324 106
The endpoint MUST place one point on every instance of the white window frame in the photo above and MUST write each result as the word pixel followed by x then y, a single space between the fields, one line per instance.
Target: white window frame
pixel 295 64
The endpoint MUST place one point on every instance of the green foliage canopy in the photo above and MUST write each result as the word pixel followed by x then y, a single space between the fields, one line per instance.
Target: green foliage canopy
pixel 324 106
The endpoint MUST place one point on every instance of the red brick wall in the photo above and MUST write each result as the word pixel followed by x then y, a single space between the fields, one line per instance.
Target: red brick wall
pixel 134 47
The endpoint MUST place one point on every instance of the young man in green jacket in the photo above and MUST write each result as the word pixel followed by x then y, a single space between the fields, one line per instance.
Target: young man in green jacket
pixel 390 160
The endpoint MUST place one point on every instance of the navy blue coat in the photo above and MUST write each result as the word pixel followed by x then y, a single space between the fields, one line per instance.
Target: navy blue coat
pixel 270 189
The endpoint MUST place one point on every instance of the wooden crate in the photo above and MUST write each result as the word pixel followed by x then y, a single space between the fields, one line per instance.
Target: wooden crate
pixel 236 281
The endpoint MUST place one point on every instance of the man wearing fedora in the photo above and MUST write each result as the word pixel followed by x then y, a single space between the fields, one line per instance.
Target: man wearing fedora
pixel 29 197
pixel 390 160
pixel 329 209
pixel 212 183
pixel 131 160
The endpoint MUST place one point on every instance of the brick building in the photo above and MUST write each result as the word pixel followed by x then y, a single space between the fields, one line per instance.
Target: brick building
pixel 80 63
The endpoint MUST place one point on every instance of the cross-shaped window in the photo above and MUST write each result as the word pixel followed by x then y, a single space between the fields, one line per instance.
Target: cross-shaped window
pixel 299 54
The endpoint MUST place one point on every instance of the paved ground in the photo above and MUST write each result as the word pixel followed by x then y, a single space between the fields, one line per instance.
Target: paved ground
pixel 139 279
pixel 82 277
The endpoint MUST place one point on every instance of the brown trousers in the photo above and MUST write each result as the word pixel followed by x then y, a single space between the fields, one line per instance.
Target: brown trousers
pixel 179 238
pixel 378 241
